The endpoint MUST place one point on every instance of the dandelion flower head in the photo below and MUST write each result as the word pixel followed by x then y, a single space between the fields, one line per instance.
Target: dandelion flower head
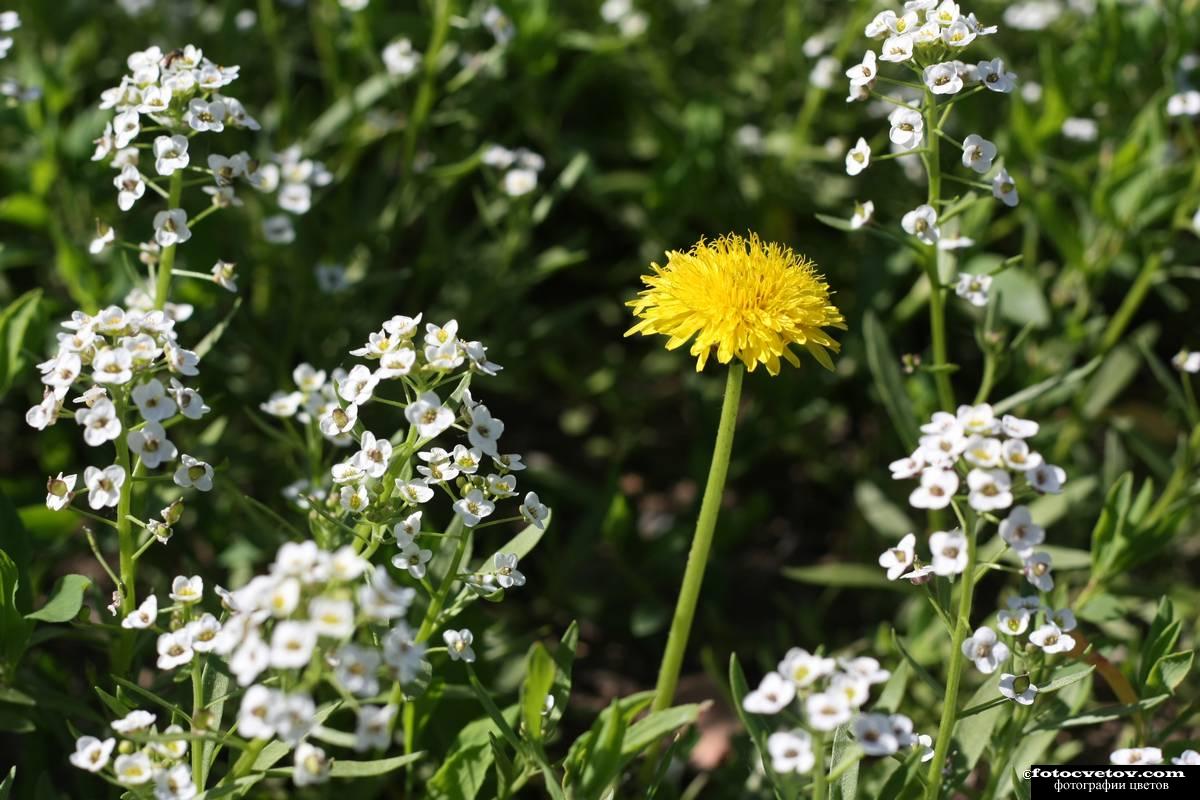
pixel 744 298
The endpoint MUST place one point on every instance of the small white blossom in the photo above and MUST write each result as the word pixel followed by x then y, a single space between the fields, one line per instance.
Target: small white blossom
pixel 1037 570
pixel 774 693
pixel 978 153
pixel 921 222
pixel 859 157
pixel 791 751
pixel 936 490
pixel 949 550
pixel 91 753
pixel 104 486
pixel 983 648
pixel 1004 189
pixel 827 711
pixel 1018 688
pixel 1137 756
pixel 995 77
pixel 896 560
pixel 174 649
pixel 193 473
pixel 458 645
pixel 1051 639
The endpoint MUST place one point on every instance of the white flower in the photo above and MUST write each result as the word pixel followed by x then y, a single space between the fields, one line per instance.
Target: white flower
pixel 250 659
pixel 60 491
pixel 458 644
pixel 990 489
pixel 373 731
pixel 402 654
pixel 1187 757
pixel 473 508
pixel 936 490
pixel 973 288
pixel 277 229
pixel 382 599
pixel 867 669
pixel 862 74
pixel 170 227
pixel 1037 568
pixel 170 154
pixel 134 722
pixel 949 550
pixel 1185 360
pixel 983 451
pixel 399 58
pixel 874 735
pixel 485 430
pixel 919 576
pixel 1004 189
pixel 1064 618
pixel 774 693
pixel 1014 622
pixel 174 649
pixel 978 153
pixel 414 492
pixel 100 422
pixel 1017 455
pixel 311 764
pixel 130 188
pixel 980 419
pixel 1184 104
pixel 205 116
pixel 204 633
pixel 955 243
pixel 112 365
pixel 144 616
pixel 896 560
pixel 856 689
pixel 187 590
pixel 194 473
pixel 413 558
pixel 921 222
pixel 91 753
pixel 880 25
pixel 151 445
pixel 104 485
pixel 254 712
pixel 518 182
pixel 354 498
pixel 292 716
pixel 1047 478
pixel 1051 639
pixel 804 668
pixel 1018 688
pixel 507 574
pixel 907 128
pixel 1019 531
pixel 534 512
pixel 1137 756
pixel 859 157
pixel 791 751
pixel 153 402
pixel 429 416
pixel 943 78
pixel 134 769
pixel 897 48
pixel 863 212
pixel 827 710
pixel 338 421
pixel 983 648
pixel 995 77
pixel 190 403
pixel 958 34
pixel 174 783
pixel 331 616
pixel 292 644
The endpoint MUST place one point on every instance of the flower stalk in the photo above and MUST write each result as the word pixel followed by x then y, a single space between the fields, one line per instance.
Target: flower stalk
pixel 937 304
pixel 693 576
pixel 962 626
pixel 162 285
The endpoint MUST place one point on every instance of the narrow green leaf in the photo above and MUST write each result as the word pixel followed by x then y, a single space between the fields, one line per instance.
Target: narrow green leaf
pixel 885 370
pixel 1170 670
pixel 539 679
pixel 656 725
pixel 843 575
pixel 922 673
pixel 369 769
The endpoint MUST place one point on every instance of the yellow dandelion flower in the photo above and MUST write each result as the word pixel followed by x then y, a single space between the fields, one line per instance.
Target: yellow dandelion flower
pixel 745 299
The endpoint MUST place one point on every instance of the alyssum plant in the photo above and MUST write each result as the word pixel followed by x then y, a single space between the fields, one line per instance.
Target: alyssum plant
pixel 342 648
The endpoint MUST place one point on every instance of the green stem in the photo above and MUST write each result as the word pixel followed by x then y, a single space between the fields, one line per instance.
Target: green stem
pixel 1129 306
pixel 162 289
pixel 126 539
pixel 957 662
pixel 693 576
pixel 197 711
pixel 937 307
pixel 820 784
pixel 425 94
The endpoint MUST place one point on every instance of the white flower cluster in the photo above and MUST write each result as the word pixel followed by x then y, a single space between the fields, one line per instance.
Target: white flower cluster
pixel 145 756
pixel 926 37
pixel 629 21
pixel 9 22
pixel 291 178
pixel 1188 360
pixel 1146 756
pixel 831 693
pixel 521 168
pixel 400 59
pixel 116 354
pixel 992 452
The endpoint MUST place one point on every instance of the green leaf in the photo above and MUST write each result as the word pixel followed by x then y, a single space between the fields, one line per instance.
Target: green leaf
pixel 7 784
pixel 604 761
pixel 1096 716
pixel 522 544
pixel 564 660
pixel 213 336
pixel 1170 670
pixel 14 629
pixel 888 382
pixel 338 115
pixel 1031 393
pixel 755 725
pixel 463 773
pixel 1066 675
pixel 65 601
pixel 1160 639
pixel 855 576
pixel 974 733
pixel 539 679
pixel 844 748
pixel 656 725
pixel 369 769
pixel 880 512
pixel 922 673
pixel 14 322
pixel 1110 524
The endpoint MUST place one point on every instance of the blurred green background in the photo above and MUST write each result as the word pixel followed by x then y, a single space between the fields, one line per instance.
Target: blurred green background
pixel 720 116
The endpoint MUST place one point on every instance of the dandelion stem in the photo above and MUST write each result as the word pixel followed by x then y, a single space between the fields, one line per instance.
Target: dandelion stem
pixel 693 576
pixel 937 307
pixel 163 279
pixel 950 702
